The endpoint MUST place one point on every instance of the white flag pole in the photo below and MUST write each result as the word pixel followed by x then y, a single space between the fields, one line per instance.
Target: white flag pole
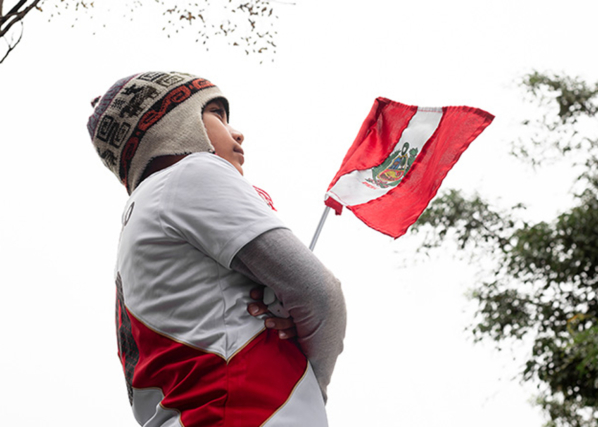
pixel 319 229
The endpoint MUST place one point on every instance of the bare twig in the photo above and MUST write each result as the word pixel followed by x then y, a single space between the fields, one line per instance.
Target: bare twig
pixel 12 46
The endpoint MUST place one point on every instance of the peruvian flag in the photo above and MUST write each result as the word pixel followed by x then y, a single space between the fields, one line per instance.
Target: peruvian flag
pixel 398 161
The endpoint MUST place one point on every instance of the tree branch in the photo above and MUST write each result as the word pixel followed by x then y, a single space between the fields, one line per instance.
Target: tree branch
pixel 17 6
pixel 14 9
pixel 14 16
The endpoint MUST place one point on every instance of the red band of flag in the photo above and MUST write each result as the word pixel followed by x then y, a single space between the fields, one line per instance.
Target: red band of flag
pixel 399 159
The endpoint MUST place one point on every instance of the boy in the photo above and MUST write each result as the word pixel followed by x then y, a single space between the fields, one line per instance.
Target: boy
pixel 196 238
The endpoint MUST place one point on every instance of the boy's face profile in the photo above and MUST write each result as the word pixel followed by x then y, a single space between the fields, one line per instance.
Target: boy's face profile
pixel 225 139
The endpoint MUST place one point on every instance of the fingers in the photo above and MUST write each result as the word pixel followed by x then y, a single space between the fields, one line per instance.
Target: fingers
pixel 286 327
pixel 257 293
pixel 287 333
pixel 279 323
pixel 257 308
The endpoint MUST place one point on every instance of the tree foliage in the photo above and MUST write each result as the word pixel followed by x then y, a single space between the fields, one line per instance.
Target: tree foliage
pixel 246 24
pixel 543 282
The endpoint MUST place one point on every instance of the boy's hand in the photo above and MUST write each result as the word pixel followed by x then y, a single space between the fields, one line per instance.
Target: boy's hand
pixel 285 327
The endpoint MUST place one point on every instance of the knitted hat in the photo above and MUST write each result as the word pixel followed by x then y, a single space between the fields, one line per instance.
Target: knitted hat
pixel 149 115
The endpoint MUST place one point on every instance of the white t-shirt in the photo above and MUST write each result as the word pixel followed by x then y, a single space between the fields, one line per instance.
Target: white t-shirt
pixel 191 352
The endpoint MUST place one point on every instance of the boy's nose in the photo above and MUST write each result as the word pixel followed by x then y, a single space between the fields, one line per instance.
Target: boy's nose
pixel 237 136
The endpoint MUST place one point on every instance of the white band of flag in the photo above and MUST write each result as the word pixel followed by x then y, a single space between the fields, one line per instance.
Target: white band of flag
pixel 362 186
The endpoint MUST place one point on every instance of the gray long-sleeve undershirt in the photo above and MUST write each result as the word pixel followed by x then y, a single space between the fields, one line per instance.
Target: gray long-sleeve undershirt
pixel 309 291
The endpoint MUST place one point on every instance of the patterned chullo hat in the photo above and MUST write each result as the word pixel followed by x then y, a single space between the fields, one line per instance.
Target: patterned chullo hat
pixel 149 115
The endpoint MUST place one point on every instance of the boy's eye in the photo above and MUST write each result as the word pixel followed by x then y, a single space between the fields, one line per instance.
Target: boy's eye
pixel 220 112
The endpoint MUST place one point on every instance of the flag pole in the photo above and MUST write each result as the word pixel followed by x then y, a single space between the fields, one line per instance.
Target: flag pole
pixel 319 229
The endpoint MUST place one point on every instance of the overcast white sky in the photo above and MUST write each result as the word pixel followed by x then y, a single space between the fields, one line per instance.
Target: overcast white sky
pixel 408 361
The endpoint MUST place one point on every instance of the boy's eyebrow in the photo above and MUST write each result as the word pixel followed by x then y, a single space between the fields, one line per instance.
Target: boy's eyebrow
pixel 219 103
pixel 216 102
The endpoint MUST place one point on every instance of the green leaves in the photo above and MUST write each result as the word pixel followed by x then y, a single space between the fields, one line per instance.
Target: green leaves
pixel 543 282
pixel 573 96
pixel 471 222
pixel 568 106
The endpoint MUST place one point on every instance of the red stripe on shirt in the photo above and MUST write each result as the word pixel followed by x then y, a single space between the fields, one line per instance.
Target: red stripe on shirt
pixel 208 391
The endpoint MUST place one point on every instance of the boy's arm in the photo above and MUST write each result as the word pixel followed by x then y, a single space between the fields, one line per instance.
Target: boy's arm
pixel 310 293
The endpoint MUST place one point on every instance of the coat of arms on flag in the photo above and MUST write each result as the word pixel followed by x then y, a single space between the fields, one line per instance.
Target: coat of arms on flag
pixel 392 171
pixel 398 161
